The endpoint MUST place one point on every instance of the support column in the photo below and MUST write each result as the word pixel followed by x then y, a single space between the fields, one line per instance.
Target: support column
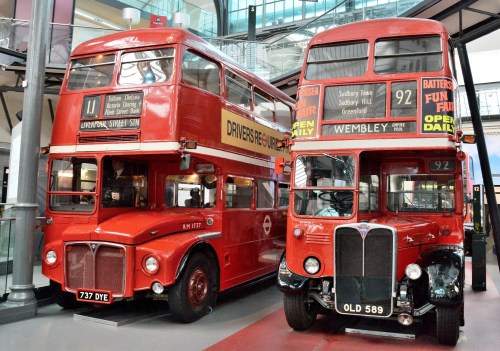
pixel 21 302
pixel 481 146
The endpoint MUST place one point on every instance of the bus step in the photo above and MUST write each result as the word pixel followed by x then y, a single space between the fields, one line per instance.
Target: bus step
pixel 123 313
pixel 385 328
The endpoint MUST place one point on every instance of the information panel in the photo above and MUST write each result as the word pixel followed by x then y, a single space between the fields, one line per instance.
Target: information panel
pixel 119 105
pixel 438 108
pixel 369 128
pixel 358 101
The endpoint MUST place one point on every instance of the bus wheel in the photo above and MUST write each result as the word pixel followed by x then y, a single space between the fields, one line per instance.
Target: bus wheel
pixel 300 312
pixel 195 293
pixel 63 298
pixel 447 325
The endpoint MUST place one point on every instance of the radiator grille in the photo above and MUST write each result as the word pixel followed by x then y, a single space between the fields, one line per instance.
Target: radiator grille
pixel 107 138
pixel 95 266
pixel 365 269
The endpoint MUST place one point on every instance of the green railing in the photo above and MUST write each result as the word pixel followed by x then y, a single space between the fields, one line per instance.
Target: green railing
pixel 7 242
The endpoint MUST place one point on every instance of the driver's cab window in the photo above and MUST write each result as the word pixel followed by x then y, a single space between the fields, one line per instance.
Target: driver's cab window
pixel 125 183
pixel 324 185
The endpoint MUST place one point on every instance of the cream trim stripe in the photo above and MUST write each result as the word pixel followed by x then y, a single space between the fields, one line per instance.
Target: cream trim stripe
pixel 372 144
pixel 162 146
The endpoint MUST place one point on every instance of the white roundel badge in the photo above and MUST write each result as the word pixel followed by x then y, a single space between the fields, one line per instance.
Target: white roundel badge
pixel 267 224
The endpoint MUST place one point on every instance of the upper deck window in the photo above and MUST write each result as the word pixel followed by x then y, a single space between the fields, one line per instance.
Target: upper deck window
pixel 264 105
pixel 408 55
pixel 200 72
pixel 146 67
pixel 91 72
pixel 337 61
pixel 238 90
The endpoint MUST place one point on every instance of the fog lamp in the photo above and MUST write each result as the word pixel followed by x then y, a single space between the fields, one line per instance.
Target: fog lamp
pixel 51 257
pixel 151 264
pixel 297 232
pixel 413 271
pixel 312 265
pixel 157 288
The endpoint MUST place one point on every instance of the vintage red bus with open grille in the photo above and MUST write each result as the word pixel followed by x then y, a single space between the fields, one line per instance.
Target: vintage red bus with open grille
pixel 375 225
pixel 161 174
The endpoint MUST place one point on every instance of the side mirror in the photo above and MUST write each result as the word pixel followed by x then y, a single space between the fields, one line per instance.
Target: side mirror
pixel 185 162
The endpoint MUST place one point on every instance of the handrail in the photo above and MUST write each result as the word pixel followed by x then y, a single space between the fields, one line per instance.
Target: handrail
pixel 308 23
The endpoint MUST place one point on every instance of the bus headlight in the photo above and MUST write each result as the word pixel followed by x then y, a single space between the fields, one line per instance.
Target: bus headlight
pixel 312 265
pixel 151 265
pixel 413 271
pixel 50 257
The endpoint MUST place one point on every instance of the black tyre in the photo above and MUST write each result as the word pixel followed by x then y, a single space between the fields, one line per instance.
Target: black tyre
pixel 195 293
pixel 63 298
pixel 448 325
pixel 300 312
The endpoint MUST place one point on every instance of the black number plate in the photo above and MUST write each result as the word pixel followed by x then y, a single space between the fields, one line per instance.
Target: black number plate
pixel 97 296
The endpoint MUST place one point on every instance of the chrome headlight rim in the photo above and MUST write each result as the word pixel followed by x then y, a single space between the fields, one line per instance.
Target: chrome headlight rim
pixel 151 264
pixel 50 257
pixel 312 265
pixel 413 271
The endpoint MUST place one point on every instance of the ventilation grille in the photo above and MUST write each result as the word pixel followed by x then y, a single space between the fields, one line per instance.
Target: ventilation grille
pixel 108 138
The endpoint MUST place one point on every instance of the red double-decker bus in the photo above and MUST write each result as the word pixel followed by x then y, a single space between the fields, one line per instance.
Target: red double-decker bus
pixel 161 174
pixel 375 225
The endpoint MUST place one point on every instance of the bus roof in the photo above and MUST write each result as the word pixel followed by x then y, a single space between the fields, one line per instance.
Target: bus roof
pixel 376 28
pixel 150 37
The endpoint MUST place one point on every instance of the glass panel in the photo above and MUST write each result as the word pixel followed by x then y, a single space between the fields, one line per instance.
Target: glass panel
pixel 369 194
pixel 283 195
pixel 73 175
pixel 190 191
pixel 265 194
pixel 264 105
pixel 408 55
pixel 200 72
pixel 325 177
pixel 239 192
pixel 91 72
pixel 337 61
pixel 421 193
pixel 145 67
pixel 283 115
pixel 238 90
pixel 125 183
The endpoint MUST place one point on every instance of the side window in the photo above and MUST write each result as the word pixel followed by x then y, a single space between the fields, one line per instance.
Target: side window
pixel 239 192
pixel 283 195
pixel 238 90
pixel 265 194
pixel 264 105
pixel 283 115
pixel 368 194
pixel 200 72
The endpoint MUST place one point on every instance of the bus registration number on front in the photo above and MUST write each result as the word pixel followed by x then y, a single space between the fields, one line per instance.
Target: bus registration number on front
pixel 96 296
pixel 353 308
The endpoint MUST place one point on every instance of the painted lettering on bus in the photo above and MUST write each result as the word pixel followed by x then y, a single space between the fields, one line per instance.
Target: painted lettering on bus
pixel 439 123
pixel 251 135
pixel 303 128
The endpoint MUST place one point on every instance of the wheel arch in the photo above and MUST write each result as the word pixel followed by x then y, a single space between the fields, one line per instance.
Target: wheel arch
pixel 205 248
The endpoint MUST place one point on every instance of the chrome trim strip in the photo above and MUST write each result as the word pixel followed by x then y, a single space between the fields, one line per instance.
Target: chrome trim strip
pixel 208 236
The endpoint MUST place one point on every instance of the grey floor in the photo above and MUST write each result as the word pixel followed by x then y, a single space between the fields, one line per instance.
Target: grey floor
pixel 56 329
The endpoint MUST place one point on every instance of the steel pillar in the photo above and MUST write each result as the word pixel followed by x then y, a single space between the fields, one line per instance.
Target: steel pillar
pixel 21 302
